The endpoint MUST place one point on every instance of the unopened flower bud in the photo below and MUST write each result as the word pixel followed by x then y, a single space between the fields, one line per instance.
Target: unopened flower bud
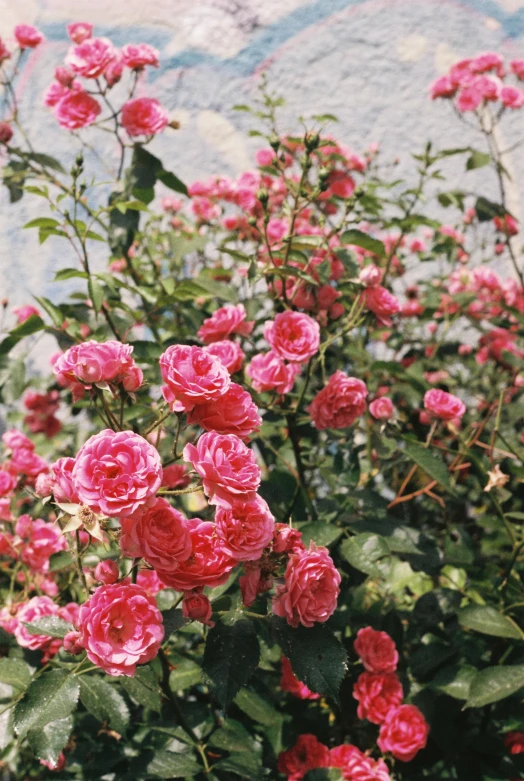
pixel 107 572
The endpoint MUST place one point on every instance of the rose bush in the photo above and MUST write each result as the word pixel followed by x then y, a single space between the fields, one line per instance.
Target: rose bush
pixel 264 518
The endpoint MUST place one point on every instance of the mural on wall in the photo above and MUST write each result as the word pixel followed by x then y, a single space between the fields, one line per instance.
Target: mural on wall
pixel 369 62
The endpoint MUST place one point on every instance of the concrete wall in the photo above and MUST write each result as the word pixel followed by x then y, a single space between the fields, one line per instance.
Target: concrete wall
pixel 367 61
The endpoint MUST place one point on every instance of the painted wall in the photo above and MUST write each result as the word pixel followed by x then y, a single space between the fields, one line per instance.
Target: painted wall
pixel 367 61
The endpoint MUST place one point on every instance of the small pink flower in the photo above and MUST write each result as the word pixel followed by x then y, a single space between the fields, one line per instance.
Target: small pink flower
pixel 115 473
pixel 469 98
pixel 6 132
pixel 76 109
pixel 403 733
pixel 28 463
pixel 377 694
pixel 356 766
pixel 517 67
pixel 268 372
pixel 39 540
pixel 290 683
pixel 307 754
pixel 62 480
pixel 382 409
pixel 16 440
pixel 148 580
pixel 107 572
pixel 37 607
pixel 90 58
pixel 229 353
pixel 91 362
pixel 445 406
pixel 227 467
pixel 340 403
pixel 371 275
pixel 79 31
pixel 121 627
pixel 309 594
pixel 197 607
pixel 159 534
pixel 293 335
pixel 5 54
pixel 512 97
pixel 73 643
pixel 207 565
pixel 377 650
pixel 191 376
pixel 27 36
pixel 382 303
pixel 265 157
pixel 137 56
pixel 144 117
pixel 245 529
pixel 443 87
pixel 23 313
pixel 114 70
pixel 234 412
pixel 224 322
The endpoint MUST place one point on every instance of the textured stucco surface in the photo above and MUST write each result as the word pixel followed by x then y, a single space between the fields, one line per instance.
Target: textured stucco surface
pixel 367 61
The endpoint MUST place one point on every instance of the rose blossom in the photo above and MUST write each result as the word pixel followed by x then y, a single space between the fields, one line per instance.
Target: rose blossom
pixel 514 742
pixel 339 403
pixel 8 480
pixel 225 321
pixel 76 109
pixel 445 406
pixel 16 440
pixel 6 132
pixel 512 97
pixel 92 362
pixel 229 353
pixel 356 766
pixel 286 539
pixel 121 627
pixel 377 693
pixel 144 117
pixel 245 529
pixel 382 409
pixel 107 572
pixel 227 467
pixel 62 480
pixel 79 31
pixel 115 473
pixel 234 412
pixel 206 566
pixel 309 594
pixel 197 607
pixel 159 534
pixel 37 607
pixel 377 650
pixel 39 540
pixel 113 70
pixel 148 580
pixel 307 754
pixel 5 54
pixel 90 57
pixel 403 733
pixel 27 462
pixel 290 683
pixel 23 313
pixel 269 372
pixel 371 275
pixel 27 36
pixel 137 56
pixel 382 303
pixel 175 476
pixel 293 335
pixel 192 376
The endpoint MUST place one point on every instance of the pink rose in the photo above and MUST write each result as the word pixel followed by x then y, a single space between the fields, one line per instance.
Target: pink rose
pixel 512 97
pixel 206 566
pixel 175 476
pixel 377 650
pixel 121 627
pixel 28 463
pixel 253 582
pixel 307 754
pixel 23 313
pixel 28 37
pixel 234 412
pixel 115 473
pixel 191 376
pixel 229 353
pixel 443 87
pixel 62 480
pixel 79 31
pixel 445 406
pixel 382 303
pixel 6 132
pixel 90 58
pixel 371 275
pixel 403 733
pixel 377 694
pixel 91 362
pixel 356 766
pixel 76 109
pixel 469 98
pixel 382 409
pixel 8 480
pixel 287 540
pixel 225 321
pixel 148 580
pixel 114 70
pixel 5 54
pixel 309 594
pixel 73 643
pixel 245 529
pixel 269 372
pixel 137 56
pixel 159 534
pixel 107 572
pixel 16 440
pixel 39 541
pixel 293 335
pixel 517 67
pixel 37 607
pixel 340 403
pixel 144 117
pixel 227 467
pixel 289 683
pixel 197 607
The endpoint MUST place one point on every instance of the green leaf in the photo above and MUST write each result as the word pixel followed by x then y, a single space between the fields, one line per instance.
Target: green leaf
pixel 494 684
pixel 47 161
pixel 230 658
pixel 455 681
pixel 52 626
pixel 185 675
pixel 323 774
pixel 143 688
pixel 233 736
pixel 48 742
pixel 244 764
pixel 173 620
pixel 188 290
pixel 430 462
pixel 318 659
pixel 477 160
pixel 70 273
pixel 60 560
pixel 487 210
pixel 53 311
pixel 172 181
pixel 41 222
pixel 96 294
pixel 363 550
pixel 104 701
pixel 50 697
pixel 15 672
pixel 122 227
pixel 30 326
pixel 257 708
pixel 321 533
pixel 487 620
pixel 146 169
pixel 166 764
pixel 361 239
pixel 217 289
